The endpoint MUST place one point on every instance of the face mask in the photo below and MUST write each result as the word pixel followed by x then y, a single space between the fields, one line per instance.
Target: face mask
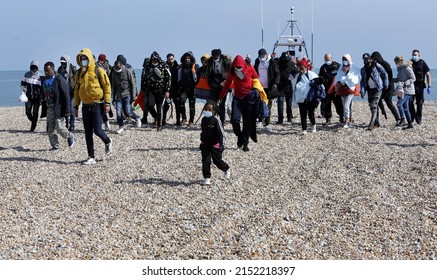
pixel 207 114
pixel 34 70
pixel 216 60
pixel 345 63
pixel 84 63
pixel 263 59
pixel 239 73
pixel 415 58
pixel 118 70
pixel 155 64
pixel 328 62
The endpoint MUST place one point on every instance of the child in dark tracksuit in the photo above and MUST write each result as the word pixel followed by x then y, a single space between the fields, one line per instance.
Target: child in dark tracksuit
pixel 212 142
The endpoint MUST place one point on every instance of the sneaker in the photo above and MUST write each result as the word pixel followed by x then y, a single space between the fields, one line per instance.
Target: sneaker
pixel 107 126
pixel 89 161
pixel 70 141
pixel 206 181
pixel 228 174
pixel 54 149
pixel 304 132
pixel 267 129
pixel 314 129
pixel 120 130
pixel 259 124
pixel 108 147
pixel 245 148
pixel 138 121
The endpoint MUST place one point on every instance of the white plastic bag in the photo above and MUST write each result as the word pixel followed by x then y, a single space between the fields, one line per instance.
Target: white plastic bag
pixel 23 97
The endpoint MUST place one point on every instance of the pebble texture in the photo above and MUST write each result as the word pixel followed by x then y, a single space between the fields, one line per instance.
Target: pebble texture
pixel 334 194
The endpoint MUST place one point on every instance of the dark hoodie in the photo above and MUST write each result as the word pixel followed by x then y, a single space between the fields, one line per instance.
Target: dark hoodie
pixel 376 56
pixel 242 86
pixel 187 77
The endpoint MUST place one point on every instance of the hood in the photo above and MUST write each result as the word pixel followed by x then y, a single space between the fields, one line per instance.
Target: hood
pixel 284 57
pixel 155 55
pixel 87 52
pixel 34 63
pixel 146 60
pixel 193 59
pixel 376 56
pixel 348 58
pixel 238 61
pixel 67 58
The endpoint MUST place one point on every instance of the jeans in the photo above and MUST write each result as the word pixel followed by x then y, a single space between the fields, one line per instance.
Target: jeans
pixel 373 97
pixel 403 104
pixel 246 108
pixel 347 101
pixel 121 104
pixel 92 123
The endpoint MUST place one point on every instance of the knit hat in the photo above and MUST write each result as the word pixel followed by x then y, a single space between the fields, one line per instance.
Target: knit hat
pixel 366 56
pixel 102 57
pixel 304 62
pixel 216 52
pixel 262 52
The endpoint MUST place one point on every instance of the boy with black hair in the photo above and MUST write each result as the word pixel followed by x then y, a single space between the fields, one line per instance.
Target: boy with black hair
pixel 212 142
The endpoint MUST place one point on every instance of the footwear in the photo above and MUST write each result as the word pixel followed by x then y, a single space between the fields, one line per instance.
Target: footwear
pixel 288 119
pixel 228 174
pixel 108 147
pixel 328 121
pixel 120 130
pixel 409 126
pixel 259 124
pixel 190 124
pixel 280 122
pixel 184 121
pixel 400 122
pixel 304 132
pixel 107 126
pixel 70 141
pixel 159 128
pixel 346 123
pixel 240 142
pixel 89 161
pixel 245 148
pixel 54 149
pixel 206 181
pixel 267 129
pixel 138 121
pixel 314 129
pixel 71 129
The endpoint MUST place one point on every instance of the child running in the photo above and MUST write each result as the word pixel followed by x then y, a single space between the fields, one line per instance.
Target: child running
pixel 212 142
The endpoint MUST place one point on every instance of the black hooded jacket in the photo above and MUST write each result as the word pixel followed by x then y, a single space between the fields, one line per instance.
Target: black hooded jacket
pixel 187 77
pixel 156 76
pixel 377 57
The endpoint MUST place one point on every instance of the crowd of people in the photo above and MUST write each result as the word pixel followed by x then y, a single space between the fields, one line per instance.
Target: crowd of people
pixel 97 87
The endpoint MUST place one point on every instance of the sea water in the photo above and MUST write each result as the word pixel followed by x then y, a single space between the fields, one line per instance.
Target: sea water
pixel 10 90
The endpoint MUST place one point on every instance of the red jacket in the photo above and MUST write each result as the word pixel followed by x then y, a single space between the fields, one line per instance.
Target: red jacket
pixel 241 87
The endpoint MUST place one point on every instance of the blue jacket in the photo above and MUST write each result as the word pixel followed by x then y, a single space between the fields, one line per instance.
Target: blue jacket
pixel 378 75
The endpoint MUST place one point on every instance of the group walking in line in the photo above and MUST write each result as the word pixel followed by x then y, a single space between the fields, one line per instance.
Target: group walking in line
pixel 95 85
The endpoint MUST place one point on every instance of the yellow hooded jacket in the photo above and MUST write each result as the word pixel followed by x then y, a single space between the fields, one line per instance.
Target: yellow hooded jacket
pixel 88 89
pixel 256 84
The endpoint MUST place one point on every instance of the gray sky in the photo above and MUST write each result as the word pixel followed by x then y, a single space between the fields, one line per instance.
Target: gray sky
pixel 45 30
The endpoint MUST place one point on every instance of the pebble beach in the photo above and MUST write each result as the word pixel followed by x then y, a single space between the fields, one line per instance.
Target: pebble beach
pixel 334 194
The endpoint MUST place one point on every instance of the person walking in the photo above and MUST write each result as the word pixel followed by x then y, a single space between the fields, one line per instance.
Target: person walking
pixel 57 98
pixel 67 70
pixel 123 91
pixel 31 85
pixel 328 71
pixel 212 142
pixel 187 80
pixel 269 76
pixel 374 80
pixel 387 93
pixel 92 87
pixel 157 81
pixel 347 85
pixel 245 103
pixel 405 88
pixel 423 77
